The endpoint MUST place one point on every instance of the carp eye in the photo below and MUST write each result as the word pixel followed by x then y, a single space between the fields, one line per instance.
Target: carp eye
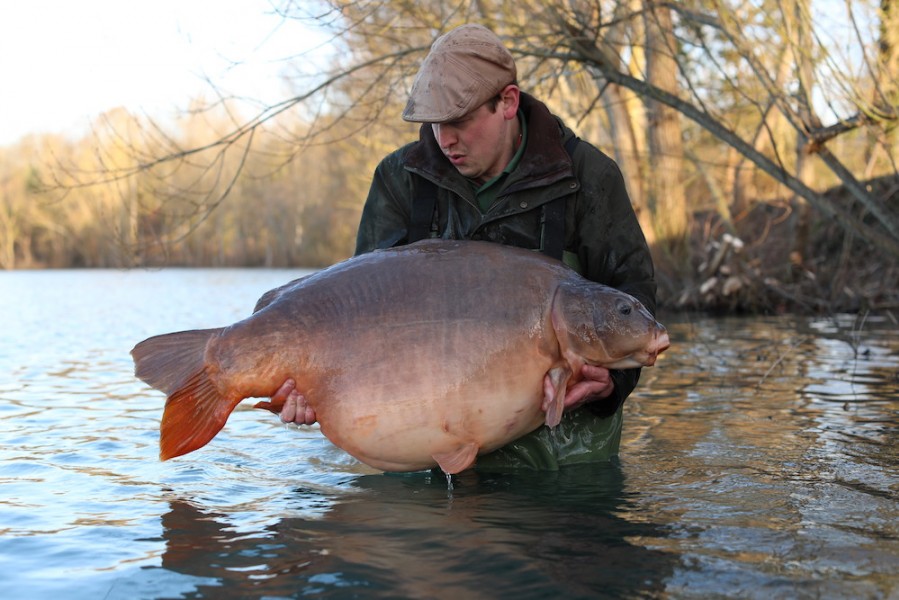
pixel 624 308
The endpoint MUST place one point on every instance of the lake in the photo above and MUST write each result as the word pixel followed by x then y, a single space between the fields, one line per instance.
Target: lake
pixel 759 460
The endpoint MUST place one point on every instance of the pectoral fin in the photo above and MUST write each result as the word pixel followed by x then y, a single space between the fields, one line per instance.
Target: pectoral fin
pixel 457 460
pixel 554 385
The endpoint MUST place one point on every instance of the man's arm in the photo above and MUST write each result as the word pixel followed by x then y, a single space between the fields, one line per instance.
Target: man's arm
pixel 386 213
pixel 613 251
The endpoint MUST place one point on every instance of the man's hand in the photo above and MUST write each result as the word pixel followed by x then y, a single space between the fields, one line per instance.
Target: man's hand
pixel 596 385
pixel 295 409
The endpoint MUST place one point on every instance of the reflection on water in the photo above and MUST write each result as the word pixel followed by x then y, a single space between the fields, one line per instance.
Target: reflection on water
pixel 401 535
pixel 759 460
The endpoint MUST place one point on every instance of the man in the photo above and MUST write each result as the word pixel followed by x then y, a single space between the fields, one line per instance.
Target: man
pixel 492 163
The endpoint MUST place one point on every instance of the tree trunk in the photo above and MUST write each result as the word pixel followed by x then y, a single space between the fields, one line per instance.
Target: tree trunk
pixel 627 155
pixel 796 19
pixel 667 200
pixel 888 50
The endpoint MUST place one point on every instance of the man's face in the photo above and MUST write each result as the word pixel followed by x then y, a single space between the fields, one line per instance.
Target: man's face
pixel 482 143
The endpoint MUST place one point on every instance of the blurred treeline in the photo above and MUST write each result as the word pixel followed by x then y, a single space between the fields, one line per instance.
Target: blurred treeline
pixel 759 141
pixel 104 200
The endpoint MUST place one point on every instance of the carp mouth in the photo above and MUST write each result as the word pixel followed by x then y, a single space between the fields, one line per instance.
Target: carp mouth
pixel 660 343
pixel 645 357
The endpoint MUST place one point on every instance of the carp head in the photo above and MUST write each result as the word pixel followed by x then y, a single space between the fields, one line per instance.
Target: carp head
pixel 599 325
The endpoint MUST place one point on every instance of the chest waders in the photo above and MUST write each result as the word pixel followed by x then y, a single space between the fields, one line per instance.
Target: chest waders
pixel 582 436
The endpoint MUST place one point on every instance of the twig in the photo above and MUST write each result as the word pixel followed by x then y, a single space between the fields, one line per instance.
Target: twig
pixel 779 360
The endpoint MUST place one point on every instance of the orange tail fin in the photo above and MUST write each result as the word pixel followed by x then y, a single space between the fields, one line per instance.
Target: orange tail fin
pixel 195 410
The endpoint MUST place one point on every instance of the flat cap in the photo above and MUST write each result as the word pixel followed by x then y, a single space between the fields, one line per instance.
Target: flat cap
pixel 464 69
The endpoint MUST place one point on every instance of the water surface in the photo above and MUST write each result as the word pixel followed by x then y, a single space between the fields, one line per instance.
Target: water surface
pixel 759 460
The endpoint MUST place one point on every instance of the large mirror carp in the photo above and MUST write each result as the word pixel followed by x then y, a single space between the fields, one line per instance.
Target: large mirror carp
pixel 412 357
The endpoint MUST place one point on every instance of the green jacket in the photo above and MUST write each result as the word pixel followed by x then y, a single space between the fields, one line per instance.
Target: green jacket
pixel 601 229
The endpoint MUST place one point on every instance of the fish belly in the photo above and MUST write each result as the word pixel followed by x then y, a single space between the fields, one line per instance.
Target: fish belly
pixel 398 416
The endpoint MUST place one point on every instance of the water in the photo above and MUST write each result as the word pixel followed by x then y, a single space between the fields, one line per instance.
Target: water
pixel 759 460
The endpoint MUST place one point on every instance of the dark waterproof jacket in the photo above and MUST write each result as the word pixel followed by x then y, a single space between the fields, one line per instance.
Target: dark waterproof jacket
pixel 601 229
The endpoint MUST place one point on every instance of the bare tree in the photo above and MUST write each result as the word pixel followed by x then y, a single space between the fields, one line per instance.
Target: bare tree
pixel 584 41
pixel 764 98
pixel 701 62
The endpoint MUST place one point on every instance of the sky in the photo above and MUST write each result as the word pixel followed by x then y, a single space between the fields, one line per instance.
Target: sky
pixel 64 62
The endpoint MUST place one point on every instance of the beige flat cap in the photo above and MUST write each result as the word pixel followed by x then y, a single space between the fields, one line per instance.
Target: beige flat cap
pixel 465 68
